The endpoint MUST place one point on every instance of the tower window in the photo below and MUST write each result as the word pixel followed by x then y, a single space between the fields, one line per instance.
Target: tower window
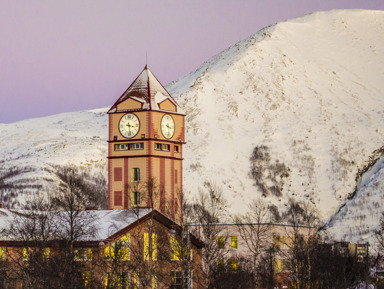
pixel 121 147
pixel 135 174
pixel 176 149
pixel 118 174
pixel 162 147
pixel 136 198
pixel 118 198
pixel 129 146
pixel 165 147
pixel 158 146
pixel 137 146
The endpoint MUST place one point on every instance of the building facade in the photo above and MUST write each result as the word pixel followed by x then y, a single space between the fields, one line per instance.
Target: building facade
pixel 145 154
pixel 128 249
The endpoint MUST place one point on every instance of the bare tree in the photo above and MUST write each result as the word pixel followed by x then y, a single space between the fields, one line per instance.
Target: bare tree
pixel 208 209
pixel 90 189
pixel 303 240
pixel 33 229
pixel 265 267
pixel 379 235
pixel 46 233
pixel 255 230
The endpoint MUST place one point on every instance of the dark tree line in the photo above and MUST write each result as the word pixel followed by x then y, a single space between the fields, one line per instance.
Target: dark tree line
pixel 302 258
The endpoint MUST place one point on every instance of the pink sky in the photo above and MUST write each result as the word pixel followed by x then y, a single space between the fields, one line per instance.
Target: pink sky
pixel 61 56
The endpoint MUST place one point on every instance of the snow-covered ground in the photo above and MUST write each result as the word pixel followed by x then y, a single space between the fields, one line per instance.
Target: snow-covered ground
pixel 307 92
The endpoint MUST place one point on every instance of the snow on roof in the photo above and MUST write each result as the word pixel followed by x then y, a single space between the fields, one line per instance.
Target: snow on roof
pixel 147 89
pixel 109 222
pixel 106 222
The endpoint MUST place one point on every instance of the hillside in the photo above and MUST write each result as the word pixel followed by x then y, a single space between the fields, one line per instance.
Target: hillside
pixel 295 110
pixel 31 148
pixel 309 91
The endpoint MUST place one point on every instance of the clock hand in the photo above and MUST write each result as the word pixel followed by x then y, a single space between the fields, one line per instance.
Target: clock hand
pixel 129 126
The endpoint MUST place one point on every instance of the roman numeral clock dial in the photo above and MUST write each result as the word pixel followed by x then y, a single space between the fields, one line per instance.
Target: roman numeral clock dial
pixel 129 125
pixel 167 126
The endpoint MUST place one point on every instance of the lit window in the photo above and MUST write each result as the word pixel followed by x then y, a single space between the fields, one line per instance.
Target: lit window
pixel 175 249
pixel 150 246
pixel 136 281
pixel 125 280
pixel 276 241
pixel 154 246
pixel 87 278
pixel 178 251
pixel 279 267
pixel 88 254
pixel 117 280
pixel 26 254
pixel 124 245
pixel 234 265
pixel 119 250
pixel 109 252
pixel 83 254
pixel 3 252
pixel 220 242
pixel 46 253
pixel 234 242
pixel 135 174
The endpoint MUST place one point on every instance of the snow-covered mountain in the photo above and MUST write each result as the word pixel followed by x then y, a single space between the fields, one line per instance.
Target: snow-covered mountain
pixel 31 148
pixel 296 110
pixel 310 90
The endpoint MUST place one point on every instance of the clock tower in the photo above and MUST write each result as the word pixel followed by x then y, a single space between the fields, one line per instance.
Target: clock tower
pixel 146 134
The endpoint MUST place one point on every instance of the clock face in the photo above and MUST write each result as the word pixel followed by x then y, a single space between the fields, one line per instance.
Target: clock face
pixel 167 126
pixel 129 125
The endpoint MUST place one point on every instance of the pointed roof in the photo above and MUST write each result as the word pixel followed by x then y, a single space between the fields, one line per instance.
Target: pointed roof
pixel 148 90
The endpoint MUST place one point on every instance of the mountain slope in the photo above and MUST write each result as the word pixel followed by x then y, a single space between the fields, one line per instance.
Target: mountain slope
pixel 310 90
pixel 359 218
pixel 31 148
pixel 295 110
